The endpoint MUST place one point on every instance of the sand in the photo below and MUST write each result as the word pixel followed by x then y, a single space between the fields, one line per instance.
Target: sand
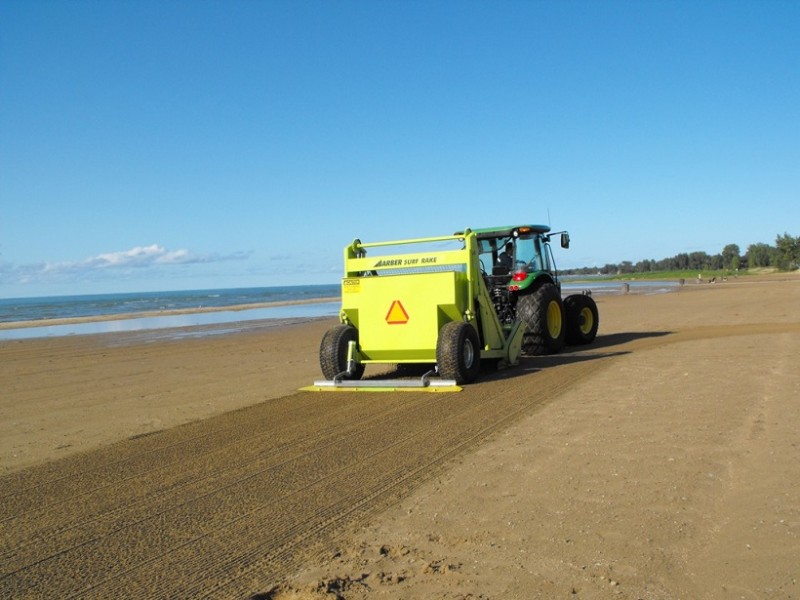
pixel 663 461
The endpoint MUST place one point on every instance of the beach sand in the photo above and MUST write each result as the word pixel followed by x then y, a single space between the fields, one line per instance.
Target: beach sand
pixel 65 395
pixel 663 461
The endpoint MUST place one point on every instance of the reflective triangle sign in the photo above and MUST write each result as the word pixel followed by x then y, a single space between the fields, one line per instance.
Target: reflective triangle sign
pixel 397 315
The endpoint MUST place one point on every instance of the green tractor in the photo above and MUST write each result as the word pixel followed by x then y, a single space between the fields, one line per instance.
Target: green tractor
pixel 520 271
pixel 480 295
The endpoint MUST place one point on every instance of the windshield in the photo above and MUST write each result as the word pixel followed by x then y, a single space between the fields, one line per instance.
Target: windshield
pixel 504 255
pixel 531 255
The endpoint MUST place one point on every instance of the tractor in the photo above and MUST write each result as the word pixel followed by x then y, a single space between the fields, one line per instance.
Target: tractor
pixel 479 296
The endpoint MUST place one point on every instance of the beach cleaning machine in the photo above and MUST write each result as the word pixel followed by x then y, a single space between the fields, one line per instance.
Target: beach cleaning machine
pixel 452 303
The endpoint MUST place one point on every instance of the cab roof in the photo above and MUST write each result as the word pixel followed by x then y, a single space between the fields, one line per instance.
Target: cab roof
pixel 489 232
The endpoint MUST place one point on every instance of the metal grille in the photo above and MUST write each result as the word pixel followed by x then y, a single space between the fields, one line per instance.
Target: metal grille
pixel 423 269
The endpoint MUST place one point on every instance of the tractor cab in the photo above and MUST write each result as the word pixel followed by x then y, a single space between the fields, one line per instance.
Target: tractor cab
pixel 529 246
pixel 513 261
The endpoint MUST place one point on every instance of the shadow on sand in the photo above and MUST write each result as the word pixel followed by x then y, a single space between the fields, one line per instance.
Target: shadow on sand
pixel 527 364
pixel 572 354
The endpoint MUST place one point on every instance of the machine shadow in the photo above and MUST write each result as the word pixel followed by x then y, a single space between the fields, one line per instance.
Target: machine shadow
pixel 571 355
pixel 617 339
pixel 528 364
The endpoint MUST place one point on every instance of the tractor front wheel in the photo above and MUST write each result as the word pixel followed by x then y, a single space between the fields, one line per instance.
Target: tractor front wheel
pixel 543 313
pixel 458 353
pixel 333 352
pixel 582 319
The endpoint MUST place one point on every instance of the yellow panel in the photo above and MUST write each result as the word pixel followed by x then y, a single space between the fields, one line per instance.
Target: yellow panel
pixel 399 316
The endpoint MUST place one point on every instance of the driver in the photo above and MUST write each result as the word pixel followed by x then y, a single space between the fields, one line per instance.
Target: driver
pixel 506 259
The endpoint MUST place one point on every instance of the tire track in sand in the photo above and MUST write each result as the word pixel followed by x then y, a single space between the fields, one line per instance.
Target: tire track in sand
pixel 205 535
pixel 215 523
pixel 101 510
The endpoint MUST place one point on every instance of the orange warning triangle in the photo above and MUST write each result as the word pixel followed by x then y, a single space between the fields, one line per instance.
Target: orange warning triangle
pixel 397 315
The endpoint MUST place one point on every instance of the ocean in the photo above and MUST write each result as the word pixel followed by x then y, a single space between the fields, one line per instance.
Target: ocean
pixel 95 305
pixel 301 302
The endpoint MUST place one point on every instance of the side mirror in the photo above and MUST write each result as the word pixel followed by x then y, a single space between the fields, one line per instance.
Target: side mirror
pixel 565 240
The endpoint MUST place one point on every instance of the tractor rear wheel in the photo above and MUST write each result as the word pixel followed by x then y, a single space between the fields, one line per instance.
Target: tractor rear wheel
pixel 582 319
pixel 543 313
pixel 458 352
pixel 333 352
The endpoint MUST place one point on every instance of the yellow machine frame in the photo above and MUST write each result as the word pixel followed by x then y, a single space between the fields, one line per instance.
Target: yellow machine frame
pixel 399 303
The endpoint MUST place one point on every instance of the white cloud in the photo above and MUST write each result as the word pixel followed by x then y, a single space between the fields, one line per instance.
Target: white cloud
pixel 142 256
pixel 123 261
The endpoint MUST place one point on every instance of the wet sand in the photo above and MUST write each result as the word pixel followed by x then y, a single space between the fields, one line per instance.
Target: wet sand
pixel 663 461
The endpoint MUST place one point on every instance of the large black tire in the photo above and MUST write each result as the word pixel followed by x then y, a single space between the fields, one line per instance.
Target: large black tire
pixel 458 352
pixel 543 313
pixel 333 352
pixel 582 319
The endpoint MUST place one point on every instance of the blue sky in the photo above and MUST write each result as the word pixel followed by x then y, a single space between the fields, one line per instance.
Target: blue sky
pixel 180 145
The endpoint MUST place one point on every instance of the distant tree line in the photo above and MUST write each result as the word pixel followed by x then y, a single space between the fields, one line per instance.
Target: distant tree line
pixel 784 256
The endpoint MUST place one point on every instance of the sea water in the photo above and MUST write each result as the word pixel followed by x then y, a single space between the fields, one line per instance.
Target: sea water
pixel 302 302
pixel 101 305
